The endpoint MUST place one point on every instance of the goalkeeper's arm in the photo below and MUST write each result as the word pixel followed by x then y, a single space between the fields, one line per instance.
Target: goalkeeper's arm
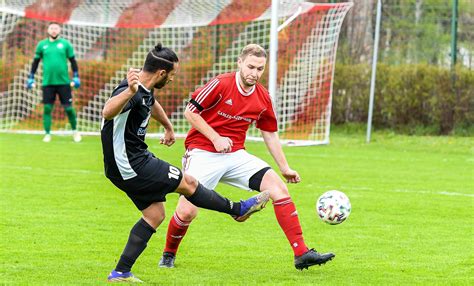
pixel 30 83
pixel 76 82
pixel 34 66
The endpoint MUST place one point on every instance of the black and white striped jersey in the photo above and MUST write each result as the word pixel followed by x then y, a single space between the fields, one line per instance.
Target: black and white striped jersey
pixel 123 137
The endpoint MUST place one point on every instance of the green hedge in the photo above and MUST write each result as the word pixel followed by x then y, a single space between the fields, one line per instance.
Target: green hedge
pixel 407 97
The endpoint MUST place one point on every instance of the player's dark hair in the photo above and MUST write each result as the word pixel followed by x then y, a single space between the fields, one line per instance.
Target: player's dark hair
pixel 54 23
pixel 160 58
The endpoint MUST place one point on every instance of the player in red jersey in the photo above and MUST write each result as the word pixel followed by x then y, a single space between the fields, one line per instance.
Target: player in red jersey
pixel 220 114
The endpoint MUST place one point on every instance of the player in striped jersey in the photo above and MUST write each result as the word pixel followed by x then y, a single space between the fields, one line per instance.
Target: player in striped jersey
pixel 220 114
pixel 133 169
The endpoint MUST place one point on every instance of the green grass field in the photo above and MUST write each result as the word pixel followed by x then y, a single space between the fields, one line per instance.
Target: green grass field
pixel 62 222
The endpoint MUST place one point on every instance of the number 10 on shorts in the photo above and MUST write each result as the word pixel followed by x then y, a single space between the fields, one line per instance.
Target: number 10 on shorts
pixel 173 173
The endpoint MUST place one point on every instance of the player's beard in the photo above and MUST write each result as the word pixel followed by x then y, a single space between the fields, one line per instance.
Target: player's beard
pixel 161 83
pixel 53 37
pixel 245 82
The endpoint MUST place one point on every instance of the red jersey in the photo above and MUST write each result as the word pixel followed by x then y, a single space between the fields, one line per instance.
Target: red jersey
pixel 229 110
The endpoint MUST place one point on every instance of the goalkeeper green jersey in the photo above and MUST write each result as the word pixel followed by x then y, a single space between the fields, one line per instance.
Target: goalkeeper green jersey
pixel 55 56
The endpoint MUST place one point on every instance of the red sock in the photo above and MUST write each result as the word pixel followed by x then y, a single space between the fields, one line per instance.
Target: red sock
pixel 176 231
pixel 287 217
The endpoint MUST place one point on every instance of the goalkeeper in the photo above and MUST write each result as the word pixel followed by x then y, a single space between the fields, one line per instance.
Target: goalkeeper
pixel 55 51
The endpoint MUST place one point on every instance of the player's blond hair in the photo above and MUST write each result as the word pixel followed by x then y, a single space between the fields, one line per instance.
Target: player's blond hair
pixel 254 50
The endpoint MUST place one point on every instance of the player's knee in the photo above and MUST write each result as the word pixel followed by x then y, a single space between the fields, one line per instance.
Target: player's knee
pixel 187 213
pixel 187 186
pixel 154 214
pixel 154 219
pixel 185 210
pixel 280 189
pixel 274 185
pixel 69 109
pixel 191 182
pixel 48 108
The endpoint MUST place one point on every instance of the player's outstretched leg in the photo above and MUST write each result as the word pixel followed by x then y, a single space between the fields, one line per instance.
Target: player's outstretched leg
pixel 252 205
pixel 202 197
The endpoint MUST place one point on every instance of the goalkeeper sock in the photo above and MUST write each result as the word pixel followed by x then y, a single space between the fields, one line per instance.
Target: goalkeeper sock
pixel 71 114
pixel 176 231
pixel 47 119
pixel 287 217
pixel 209 199
pixel 137 242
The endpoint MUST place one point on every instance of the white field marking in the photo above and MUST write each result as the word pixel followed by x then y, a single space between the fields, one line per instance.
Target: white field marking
pixel 297 154
pixel 433 193
pixel 79 171
pixel 343 187
pixel 444 193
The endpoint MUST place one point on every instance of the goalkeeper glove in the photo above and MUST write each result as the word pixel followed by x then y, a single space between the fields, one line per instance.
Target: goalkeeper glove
pixel 30 83
pixel 75 80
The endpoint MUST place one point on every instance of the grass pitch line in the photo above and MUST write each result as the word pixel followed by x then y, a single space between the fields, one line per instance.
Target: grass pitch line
pixel 444 193
pixel 89 172
pixel 434 193
pixel 62 171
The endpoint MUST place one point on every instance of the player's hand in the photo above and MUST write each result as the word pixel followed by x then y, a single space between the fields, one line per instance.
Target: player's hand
pixel 291 176
pixel 30 82
pixel 132 79
pixel 168 138
pixel 223 144
pixel 76 82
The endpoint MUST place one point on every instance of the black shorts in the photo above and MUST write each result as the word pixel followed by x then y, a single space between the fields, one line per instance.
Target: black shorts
pixel 64 92
pixel 153 182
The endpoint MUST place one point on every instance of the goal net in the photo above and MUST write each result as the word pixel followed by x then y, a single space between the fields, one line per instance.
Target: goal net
pixel 109 37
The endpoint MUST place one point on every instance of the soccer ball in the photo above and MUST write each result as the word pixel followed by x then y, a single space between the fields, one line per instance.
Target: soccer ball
pixel 333 207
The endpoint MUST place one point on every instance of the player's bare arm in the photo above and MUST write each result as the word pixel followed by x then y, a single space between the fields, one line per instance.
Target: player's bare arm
pixel 274 147
pixel 222 144
pixel 115 104
pixel 159 114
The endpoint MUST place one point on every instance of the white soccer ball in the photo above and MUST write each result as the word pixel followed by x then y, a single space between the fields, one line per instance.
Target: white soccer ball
pixel 333 207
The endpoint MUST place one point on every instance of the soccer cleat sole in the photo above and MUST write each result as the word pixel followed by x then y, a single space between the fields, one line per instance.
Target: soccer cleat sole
pixel 162 265
pixel 307 265
pixel 263 198
pixel 117 277
pixel 124 280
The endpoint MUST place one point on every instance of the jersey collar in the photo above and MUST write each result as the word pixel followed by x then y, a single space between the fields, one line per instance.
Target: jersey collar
pixel 146 89
pixel 240 88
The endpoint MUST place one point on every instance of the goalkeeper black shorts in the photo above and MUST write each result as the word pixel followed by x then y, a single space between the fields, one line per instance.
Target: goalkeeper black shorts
pixel 63 91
